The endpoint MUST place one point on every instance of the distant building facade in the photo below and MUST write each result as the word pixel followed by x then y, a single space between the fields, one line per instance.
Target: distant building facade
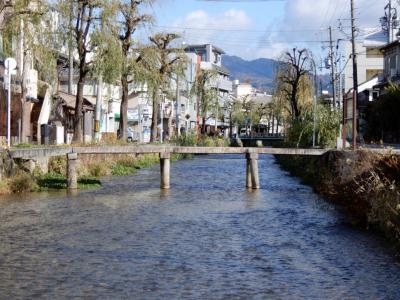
pixel 369 59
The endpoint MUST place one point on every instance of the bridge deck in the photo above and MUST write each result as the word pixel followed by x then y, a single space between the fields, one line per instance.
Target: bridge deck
pixel 54 151
pixel 32 153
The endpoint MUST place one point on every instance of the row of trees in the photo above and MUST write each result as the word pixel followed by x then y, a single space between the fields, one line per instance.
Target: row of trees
pixel 100 35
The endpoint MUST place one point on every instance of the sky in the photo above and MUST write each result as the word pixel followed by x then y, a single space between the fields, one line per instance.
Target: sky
pixel 264 29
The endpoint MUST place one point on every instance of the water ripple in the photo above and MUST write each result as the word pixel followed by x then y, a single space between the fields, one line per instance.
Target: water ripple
pixel 206 238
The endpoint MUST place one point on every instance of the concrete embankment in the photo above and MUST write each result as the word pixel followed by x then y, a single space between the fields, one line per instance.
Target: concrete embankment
pixel 364 184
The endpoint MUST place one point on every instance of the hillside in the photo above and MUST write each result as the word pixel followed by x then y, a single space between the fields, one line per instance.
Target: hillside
pixel 260 72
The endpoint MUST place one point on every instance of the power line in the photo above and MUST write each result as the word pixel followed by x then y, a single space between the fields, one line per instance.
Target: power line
pixel 237 30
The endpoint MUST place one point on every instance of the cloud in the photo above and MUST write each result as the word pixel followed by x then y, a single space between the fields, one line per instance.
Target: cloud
pixel 202 27
pixel 230 19
pixel 305 24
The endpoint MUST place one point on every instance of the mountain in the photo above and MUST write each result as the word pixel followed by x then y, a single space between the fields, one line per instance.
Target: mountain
pixel 260 72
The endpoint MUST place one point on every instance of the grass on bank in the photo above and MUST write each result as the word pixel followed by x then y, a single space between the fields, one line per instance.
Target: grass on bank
pixel 89 170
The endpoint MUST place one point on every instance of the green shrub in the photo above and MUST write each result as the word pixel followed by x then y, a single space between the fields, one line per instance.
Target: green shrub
pixel 121 170
pixel 97 169
pixel 23 145
pixel 52 181
pixel 127 161
pixel 189 139
pixel 22 183
pixel 58 165
pixel 88 182
pixel 146 161
pixel 206 141
pixel 300 131
pixel 59 182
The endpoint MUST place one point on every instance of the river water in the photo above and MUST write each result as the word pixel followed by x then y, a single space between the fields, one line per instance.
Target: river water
pixel 206 238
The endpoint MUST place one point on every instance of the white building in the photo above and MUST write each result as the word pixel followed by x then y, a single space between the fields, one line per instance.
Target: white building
pixel 369 59
pixel 207 57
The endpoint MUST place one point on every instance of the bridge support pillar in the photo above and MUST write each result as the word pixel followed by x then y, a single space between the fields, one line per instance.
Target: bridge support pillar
pixel 248 172
pixel 72 174
pixel 252 176
pixel 165 166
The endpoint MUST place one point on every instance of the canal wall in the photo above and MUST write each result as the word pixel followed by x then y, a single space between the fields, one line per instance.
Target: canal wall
pixel 363 184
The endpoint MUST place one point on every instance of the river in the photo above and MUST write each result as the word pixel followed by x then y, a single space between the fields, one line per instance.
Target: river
pixel 206 238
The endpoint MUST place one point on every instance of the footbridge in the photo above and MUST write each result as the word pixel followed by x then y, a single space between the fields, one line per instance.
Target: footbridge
pixel 73 154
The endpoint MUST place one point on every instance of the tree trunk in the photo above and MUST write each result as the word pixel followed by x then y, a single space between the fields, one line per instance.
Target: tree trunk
pixel 123 124
pixel 203 126
pixel 293 99
pixel 273 125
pixel 78 130
pixel 277 125
pixel 154 119
pixel 230 125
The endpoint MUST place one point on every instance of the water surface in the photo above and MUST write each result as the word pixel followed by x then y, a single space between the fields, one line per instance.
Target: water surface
pixel 206 238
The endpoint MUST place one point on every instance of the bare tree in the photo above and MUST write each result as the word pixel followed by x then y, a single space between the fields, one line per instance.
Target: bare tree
pixel 85 14
pixel 294 66
pixel 167 60
pixel 131 57
pixel 205 93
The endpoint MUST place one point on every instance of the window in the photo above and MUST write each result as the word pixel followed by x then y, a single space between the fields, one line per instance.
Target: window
pixel 393 65
pixel 374 53
pixel 217 58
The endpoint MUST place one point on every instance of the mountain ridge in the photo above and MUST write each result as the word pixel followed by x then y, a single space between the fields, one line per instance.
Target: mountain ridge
pixel 259 72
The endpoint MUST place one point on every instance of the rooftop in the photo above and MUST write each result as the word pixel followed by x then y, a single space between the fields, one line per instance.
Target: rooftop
pixel 204 46
pixel 376 39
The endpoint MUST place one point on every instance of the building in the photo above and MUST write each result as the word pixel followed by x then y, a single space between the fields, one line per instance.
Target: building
pixel 369 58
pixel 391 54
pixel 269 124
pixel 206 57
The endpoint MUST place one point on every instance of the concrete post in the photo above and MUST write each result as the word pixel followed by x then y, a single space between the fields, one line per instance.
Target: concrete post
pixel 248 171
pixel 165 166
pixel 72 174
pixel 255 179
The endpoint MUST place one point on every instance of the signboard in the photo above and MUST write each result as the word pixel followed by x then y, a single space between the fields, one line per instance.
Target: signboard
pixel 133 115
pixel 146 135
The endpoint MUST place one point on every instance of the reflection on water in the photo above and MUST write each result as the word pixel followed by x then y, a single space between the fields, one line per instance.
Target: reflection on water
pixel 207 237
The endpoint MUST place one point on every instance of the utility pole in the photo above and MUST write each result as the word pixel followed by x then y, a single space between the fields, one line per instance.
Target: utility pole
pixel 315 104
pixel 99 102
pixel 333 63
pixel 178 108
pixel 355 75
pixel 71 55
pixel 390 27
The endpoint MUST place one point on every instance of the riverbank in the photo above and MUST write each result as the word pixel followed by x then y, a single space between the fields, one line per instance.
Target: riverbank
pixel 365 185
pixel 44 173
pixel 90 169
